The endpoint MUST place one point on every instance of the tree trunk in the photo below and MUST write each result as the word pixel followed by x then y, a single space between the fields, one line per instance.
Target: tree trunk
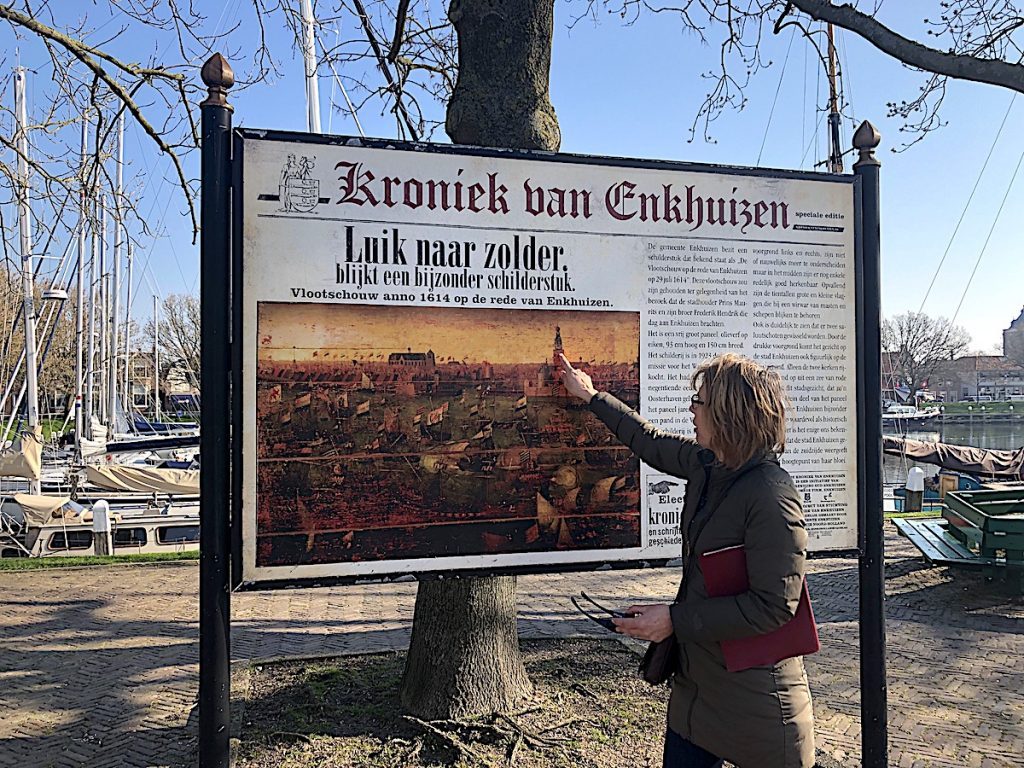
pixel 464 656
pixel 501 96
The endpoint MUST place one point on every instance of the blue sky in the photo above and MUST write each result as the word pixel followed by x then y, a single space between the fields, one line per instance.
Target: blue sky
pixel 635 90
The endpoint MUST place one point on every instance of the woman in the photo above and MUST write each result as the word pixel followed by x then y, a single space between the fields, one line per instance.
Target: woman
pixel 736 493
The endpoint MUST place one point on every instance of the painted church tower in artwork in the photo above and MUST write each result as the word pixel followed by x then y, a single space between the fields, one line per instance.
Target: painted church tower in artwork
pixel 547 380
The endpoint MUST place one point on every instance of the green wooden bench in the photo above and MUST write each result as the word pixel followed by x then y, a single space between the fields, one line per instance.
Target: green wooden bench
pixel 937 545
pixel 989 522
pixel 978 529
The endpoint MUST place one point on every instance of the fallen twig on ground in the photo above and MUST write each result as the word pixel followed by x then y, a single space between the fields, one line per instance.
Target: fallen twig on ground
pixel 292 734
pixel 584 690
pixel 564 723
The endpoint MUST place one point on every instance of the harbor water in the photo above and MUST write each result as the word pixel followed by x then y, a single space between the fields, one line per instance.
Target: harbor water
pixel 979 433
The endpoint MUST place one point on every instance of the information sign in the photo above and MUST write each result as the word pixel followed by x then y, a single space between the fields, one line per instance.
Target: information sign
pixel 403 315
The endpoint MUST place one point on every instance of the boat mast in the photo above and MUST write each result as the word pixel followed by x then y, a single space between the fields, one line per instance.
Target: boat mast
pixel 115 297
pixel 25 240
pixel 126 389
pixel 90 357
pixel 309 57
pixel 83 216
pixel 101 322
pixel 835 156
pixel 156 359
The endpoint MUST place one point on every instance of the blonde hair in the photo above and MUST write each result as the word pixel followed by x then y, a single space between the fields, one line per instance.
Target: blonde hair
pixel 746 404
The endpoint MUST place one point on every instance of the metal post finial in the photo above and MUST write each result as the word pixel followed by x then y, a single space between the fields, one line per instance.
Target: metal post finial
pixel 219 77
pixel 865 140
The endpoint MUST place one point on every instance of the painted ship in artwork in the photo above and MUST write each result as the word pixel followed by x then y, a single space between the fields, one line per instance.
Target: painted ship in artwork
pixel 371 452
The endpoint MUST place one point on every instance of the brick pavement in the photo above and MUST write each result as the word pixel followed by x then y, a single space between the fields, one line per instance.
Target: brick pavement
pixel 98 667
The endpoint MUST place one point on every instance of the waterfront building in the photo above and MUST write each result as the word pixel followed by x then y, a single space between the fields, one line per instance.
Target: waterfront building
pixel 1013 340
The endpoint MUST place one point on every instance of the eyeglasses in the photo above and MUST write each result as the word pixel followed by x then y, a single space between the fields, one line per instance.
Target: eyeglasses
pixel 606 623
pixel 695 400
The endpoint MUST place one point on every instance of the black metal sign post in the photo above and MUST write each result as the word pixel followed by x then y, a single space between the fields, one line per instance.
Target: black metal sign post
pixel 873 694
pixel 215 418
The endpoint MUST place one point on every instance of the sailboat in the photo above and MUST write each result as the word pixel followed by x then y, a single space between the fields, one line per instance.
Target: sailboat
pixel 26 517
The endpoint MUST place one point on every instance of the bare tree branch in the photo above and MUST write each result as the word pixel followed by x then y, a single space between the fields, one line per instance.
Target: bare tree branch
pixel 90 57
pixel 961 66
pixel 79 48
pixel 384 69
pixel 396 44
pixel 918 344
pixel 983 39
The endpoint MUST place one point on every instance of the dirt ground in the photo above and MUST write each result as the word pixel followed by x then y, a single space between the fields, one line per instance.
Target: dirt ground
pixel 590 709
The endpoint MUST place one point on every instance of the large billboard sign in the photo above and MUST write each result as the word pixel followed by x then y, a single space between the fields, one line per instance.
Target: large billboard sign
pixel 404 309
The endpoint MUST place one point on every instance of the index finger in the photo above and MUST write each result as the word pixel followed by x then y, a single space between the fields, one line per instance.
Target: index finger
pixel 565 362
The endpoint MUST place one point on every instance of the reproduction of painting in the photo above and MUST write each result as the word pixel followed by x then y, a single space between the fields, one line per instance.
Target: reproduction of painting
pixel 392 432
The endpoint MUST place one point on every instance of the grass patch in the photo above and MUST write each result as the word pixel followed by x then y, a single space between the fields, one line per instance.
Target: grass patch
pixel 590 709
pixel 975 409
pixel 36 563
pixel 914 515
pixel 50 427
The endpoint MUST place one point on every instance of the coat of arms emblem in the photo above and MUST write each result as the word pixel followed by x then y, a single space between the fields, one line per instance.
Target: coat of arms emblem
pixel 299 192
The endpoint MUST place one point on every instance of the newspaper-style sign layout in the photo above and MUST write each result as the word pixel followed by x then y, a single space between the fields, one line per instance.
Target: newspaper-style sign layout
pixel 404 313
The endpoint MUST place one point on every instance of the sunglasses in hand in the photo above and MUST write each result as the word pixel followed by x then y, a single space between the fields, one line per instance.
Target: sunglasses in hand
pixel 607 623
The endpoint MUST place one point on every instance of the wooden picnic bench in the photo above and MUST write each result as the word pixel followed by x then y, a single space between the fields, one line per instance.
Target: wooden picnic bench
pixel 981 529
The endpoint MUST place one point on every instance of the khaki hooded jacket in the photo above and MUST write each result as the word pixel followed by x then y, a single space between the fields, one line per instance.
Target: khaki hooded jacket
pixel 759 717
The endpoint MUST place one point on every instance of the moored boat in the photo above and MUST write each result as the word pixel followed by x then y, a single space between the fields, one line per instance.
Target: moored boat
pixel 56 526
pixel 905 416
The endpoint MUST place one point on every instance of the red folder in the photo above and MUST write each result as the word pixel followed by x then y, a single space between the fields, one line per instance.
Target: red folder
pixel 725 574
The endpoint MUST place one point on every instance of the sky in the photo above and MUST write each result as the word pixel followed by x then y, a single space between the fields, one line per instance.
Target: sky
pixel 633 90
pixel 349 331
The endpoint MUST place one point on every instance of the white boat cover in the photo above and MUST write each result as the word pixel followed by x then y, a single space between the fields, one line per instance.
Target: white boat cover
pixel 98 430
pixel 92 448
pixel 97 444
pixel 24 458
pixel 122 477
pixel 41 510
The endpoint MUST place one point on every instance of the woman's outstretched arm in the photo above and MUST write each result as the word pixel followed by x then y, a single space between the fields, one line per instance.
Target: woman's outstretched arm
pixel 670 453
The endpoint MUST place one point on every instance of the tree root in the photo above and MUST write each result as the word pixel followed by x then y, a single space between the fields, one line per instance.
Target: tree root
pixel 527 711
pixel 564 723
pixel 461 746
pixel 515 750
pixel 505 728
pixel 532 739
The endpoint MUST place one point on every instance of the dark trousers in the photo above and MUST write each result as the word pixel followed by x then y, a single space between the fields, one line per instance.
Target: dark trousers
pixel 681 753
